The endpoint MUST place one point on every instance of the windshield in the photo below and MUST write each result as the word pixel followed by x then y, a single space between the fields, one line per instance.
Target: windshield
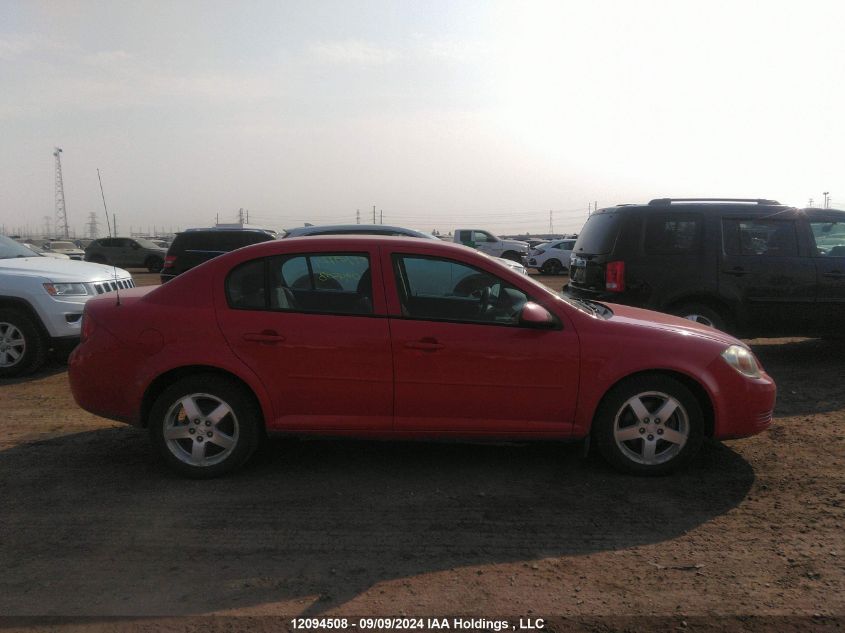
pixel 10 248
pixel 55 245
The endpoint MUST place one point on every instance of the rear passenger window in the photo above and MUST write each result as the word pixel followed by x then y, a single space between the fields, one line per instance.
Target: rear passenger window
pixel 672 234
pixel 771 238
pixel 324 283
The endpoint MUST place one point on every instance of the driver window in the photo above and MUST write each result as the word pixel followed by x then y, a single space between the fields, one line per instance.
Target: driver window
pixel 441 289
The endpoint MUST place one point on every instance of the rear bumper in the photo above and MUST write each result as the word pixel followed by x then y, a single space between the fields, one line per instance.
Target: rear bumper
pixel 595 295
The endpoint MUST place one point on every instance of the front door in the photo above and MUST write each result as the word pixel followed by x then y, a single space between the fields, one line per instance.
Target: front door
pixel 767 274
pixel 313 327
pixel 462 363
pixel 829 243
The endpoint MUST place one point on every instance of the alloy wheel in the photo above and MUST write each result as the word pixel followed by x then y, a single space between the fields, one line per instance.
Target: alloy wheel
pixel 12 345
pixel 200 429
pixel 651 428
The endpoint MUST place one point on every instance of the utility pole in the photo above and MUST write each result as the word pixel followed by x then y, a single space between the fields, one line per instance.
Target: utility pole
pixel 826 199
pixel 374 214
pixel 551 226
pixel 61 211
pixel 589 209
pixel 114 223
pixel 241 216
pixel 357 216
pixel 810 203
pixel 381 216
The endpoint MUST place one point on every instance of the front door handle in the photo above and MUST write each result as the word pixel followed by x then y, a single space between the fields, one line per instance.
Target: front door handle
pixel 269 337
pixel 426 345
pixel 736 271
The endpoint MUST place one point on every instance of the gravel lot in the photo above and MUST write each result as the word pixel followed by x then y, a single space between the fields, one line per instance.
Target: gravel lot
pixel 748 536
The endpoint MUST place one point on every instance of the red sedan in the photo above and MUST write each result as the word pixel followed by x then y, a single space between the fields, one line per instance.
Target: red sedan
pixel 404 338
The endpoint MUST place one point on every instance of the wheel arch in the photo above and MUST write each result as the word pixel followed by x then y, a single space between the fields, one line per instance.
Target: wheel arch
pixel 721 306
pixel 701 395
pixel 163 381
pixel 24 306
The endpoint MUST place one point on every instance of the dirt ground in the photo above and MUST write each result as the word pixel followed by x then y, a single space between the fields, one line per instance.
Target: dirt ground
pixel 750 537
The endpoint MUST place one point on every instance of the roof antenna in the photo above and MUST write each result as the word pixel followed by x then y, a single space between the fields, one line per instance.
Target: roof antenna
pixel 108 224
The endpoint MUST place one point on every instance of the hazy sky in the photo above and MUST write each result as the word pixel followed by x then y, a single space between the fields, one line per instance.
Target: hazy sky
pixel 442 114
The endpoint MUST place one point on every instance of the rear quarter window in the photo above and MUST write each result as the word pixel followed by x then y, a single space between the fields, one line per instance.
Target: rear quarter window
pixel 673 233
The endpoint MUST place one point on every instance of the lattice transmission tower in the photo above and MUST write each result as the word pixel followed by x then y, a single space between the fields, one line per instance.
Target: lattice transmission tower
pixel 61 211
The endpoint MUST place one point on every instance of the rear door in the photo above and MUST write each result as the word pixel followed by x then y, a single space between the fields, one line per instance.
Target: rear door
pixel 767 272
pixel 313 327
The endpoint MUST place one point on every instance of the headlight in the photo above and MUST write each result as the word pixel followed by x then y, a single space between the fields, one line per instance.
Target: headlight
pixel 741 359
pixel 66 290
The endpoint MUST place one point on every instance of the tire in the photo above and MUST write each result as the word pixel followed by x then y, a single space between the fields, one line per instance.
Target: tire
pixel 632 445
pixel 154 264
pixel 703 314
pixel 553 267
pixel 23 347
pixel 513 256
pixel 200 447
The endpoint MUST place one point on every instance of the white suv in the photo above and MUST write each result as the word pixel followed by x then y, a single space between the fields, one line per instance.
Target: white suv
pixel 41 302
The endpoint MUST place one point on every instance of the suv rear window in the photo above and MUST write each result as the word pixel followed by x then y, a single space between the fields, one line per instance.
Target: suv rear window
pixel 599 234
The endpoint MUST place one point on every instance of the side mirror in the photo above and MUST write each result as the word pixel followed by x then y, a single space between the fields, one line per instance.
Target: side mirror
pixel 534 315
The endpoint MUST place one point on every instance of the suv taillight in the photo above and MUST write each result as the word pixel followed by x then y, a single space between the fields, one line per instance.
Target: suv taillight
pixel 614 276
pixel 169 261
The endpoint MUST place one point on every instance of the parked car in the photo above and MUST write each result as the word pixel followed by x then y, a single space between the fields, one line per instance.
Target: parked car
pixel 381 229
pixel 195 246
pixel 751 267
pixel 491 244
pixel 404 338
pixel 41 302
pixel 129 252
pixel 43 253
pixel 64 248
pixel 551 258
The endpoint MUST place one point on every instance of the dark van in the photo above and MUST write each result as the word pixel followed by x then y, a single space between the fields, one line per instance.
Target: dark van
pixel 195 246
pixel 751 267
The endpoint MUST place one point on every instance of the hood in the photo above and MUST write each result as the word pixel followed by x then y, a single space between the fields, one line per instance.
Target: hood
pixel 523 245
pixel 648 319
pixel 59 269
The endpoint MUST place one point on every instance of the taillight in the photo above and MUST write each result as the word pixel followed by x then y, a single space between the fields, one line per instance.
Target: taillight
pixel 169 261
pixel 88 327
pixel 614 276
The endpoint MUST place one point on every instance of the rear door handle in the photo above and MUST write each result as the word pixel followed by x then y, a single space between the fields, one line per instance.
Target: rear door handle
pixel 736 271
pixel 426 345
pixel 267 336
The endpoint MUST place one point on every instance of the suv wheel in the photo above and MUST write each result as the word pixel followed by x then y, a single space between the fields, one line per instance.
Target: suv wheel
pixel 154 264
pixel 22 346
pixel 649 425
pixel 701 313
pixel 205 425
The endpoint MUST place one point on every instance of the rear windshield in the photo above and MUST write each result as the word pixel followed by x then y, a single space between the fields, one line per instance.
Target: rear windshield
pixel 217 241
pixel 598 235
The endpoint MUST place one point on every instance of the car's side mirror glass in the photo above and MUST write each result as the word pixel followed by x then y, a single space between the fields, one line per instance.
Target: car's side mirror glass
pixel 534 315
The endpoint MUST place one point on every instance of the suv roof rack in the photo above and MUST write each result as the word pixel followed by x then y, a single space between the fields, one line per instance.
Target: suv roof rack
pixel 662 202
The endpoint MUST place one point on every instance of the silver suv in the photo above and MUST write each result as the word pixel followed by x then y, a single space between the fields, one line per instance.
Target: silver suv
pixel 41 303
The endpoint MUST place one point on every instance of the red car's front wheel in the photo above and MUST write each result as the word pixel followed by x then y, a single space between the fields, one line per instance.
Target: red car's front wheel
pixel 649 425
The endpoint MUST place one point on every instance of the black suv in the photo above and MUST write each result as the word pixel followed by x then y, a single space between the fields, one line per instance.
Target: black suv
pixel 195 246
pixel 751 267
